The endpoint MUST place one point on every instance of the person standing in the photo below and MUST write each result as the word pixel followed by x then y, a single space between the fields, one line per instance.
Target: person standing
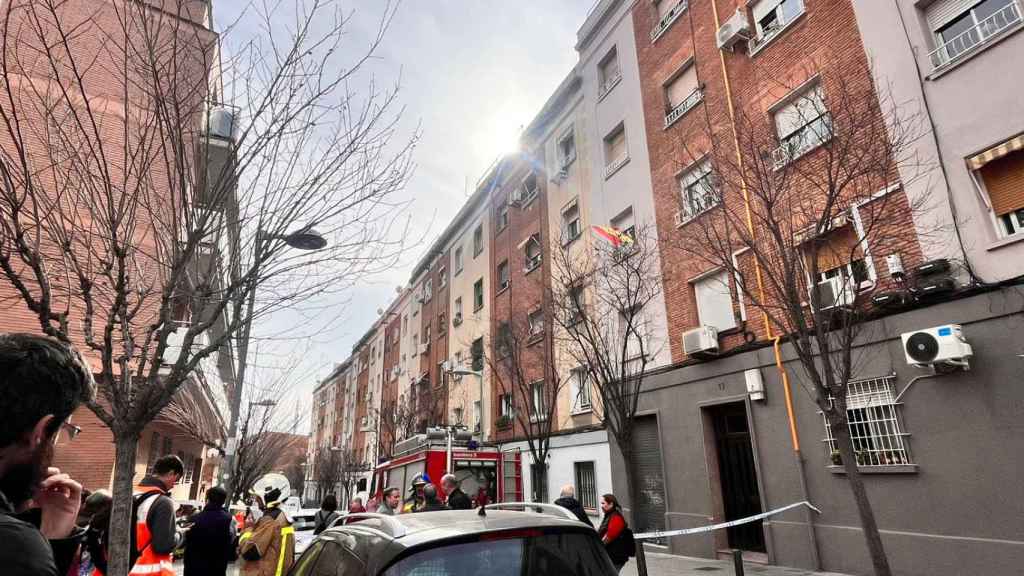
pixel 614 532
pixel 327 514
pixel 457 499
pixel 356 506
pixel 155 530
pixel 268 548
pixel 567 499
pixel 415 501
pixel 209 542
pixel 390 502
pixel 43 382
pixel 430 501
pixel 94 557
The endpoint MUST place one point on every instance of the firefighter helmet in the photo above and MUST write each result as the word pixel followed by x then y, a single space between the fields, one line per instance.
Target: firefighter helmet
pixel 421 479
pixel 273 488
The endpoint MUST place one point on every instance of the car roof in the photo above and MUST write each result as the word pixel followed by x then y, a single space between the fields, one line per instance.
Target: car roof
pixel 377 540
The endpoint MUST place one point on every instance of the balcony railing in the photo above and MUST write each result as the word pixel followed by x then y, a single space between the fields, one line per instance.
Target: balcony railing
pixel 976 37
pixel 683 107
pixel 668 19
pixel 608 84
pixel 615 165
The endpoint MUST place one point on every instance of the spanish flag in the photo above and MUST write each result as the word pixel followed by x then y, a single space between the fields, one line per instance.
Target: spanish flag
pixel 613 235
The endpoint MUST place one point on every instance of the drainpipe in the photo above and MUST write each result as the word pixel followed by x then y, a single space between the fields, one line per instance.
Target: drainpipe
pixel 798 456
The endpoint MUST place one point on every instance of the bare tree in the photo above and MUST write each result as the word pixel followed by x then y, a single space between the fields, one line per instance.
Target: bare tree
pixel 780 217
pixel 523 370
pixel 150 188
pixel 337 467
pixel 602 299
pixel 397 420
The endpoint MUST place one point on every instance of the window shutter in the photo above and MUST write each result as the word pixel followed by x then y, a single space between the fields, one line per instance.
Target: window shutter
pixel 762 8
pixel 681 87
pixel 617 146
pixel 800 111
pixel 1004 180
pixel 714 301
pixel 838 248
pixel 941 12
pixel 664 7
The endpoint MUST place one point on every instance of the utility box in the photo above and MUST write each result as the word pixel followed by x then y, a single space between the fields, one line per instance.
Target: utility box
pixel 755 384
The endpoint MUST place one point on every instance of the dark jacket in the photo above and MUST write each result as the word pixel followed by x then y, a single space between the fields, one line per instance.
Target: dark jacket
pixel 24 551
pixel 458 500
pixel 160 518
pixel 322 520
pixel 432 506
pixel 209 543
pixel 573 505
pixel 619 547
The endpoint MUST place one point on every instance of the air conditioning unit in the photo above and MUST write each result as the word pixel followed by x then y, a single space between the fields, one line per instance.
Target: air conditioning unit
pixel 703 340
pixel 942 345
pixel 836 292
pixel 424 348
pixel 515 196
pixel 446 366
pixel 457 319
pixel 735 29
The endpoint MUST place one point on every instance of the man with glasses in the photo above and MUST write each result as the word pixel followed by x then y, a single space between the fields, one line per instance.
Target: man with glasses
pixel 42 381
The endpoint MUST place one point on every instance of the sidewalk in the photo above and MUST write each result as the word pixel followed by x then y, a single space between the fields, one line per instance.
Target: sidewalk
pixel 669 565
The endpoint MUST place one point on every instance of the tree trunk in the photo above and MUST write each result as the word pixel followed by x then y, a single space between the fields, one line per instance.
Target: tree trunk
pixel 841 433
pixel 121 521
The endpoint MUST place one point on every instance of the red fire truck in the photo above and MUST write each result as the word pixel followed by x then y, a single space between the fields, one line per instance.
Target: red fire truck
pixel 485 473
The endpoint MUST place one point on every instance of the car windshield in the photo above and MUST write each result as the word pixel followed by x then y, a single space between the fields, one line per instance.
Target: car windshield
pixel 564 554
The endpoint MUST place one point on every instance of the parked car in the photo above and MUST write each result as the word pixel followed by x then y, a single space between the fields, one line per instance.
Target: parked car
pixel 458 543
pixel 304 522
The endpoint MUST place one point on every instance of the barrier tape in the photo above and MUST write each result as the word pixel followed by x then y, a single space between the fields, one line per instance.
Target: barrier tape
pixel 731 523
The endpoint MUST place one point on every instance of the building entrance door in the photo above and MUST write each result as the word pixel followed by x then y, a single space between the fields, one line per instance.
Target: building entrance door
pixel 738 476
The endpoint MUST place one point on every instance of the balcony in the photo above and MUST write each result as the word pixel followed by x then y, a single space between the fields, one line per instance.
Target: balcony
pixel 668 19
pixel 977 37
pixel 615 166
pixel 608 84
pixel 676 113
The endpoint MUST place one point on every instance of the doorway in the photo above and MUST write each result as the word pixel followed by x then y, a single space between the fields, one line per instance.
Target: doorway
pixel 737 475
pixel 649 512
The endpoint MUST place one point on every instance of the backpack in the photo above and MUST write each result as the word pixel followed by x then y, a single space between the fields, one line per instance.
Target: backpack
pixel 324 522
pixel 133 550
pixel 628 542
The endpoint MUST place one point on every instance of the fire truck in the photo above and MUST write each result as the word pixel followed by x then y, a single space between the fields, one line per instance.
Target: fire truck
pixel 485 473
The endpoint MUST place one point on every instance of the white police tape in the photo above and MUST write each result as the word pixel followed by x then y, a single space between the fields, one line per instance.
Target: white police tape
pixel 664 533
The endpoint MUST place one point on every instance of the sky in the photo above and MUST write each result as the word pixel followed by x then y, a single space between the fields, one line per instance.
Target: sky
pixel 471 73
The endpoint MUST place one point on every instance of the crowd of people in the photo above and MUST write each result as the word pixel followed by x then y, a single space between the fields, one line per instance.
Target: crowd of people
pixel 51 526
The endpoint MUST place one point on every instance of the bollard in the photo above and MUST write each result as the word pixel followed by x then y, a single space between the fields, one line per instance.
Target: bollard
pixel 641 559
pixel 737 561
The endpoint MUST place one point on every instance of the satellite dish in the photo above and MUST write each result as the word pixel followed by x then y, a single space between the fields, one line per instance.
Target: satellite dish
pixel 380 311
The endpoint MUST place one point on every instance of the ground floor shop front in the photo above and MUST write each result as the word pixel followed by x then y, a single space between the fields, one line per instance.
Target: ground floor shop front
pixel 942 459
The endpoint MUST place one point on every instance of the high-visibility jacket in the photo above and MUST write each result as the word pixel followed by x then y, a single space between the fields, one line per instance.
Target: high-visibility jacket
pixel 272 542
pixel 149 563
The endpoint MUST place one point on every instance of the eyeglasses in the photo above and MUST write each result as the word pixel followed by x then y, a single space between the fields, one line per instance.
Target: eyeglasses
pixel 71 430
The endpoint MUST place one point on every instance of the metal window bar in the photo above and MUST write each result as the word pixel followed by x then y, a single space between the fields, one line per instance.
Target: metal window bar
pixel 683 107
pixel 978 35
pixel 586 485
pixel 875 428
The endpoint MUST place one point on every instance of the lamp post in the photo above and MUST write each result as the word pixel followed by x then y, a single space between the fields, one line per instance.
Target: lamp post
pixel 460 371
pixel 307 239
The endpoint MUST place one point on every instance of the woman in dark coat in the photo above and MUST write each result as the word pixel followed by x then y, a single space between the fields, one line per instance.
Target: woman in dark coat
pixel 613 531
pixel 209 543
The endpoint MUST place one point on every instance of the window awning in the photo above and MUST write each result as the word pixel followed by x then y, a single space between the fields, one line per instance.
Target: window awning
pixel 1012 145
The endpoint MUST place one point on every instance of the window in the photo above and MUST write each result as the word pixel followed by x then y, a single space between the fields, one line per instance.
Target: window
pixel 477 413
pixel 633 333
pixel 839 253
pixel 961 26
pixel 340 561
pixel 571 228
pixel 536 322
pixel 566 149
pixel 624 223
pixel 505 405
pixel 442 276
pixel 405 324
pixel 1003 179
pixel 502 217
pixel 668 11
pixel 531 188
pixel 539 482
pixel 442 324
pixel 579 384
pixel 772 16
pixel 615 152
pixel 681 94
pixel 875 426
pixel 608 73
pixel 802 125
pixel 458 260
pixel 575 306
pixel 714 301
pixel 538 402
pixel 478 240
pixel 476 350
pixel 457 416
pixel 697 190
pixel 478 295
pixel 586 484
pixel 426 334
pixel 457 317
pixel 428 289
pixel 534 255
pixel 503 340
pixel 503 278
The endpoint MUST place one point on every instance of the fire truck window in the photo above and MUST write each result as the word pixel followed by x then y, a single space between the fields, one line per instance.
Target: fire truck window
pixel 474 476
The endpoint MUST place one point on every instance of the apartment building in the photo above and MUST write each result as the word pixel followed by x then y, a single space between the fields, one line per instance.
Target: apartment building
pixel 945 61
pixel 703 65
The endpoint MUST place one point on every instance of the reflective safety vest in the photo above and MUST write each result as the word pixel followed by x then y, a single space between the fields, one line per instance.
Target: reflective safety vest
pixel 149 563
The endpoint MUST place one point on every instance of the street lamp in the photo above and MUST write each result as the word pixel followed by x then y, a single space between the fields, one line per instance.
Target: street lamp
pixel 306 239
pixel 460 371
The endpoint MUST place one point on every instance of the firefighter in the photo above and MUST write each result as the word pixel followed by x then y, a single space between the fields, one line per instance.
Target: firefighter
pixel 415 501
pixel 268 547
